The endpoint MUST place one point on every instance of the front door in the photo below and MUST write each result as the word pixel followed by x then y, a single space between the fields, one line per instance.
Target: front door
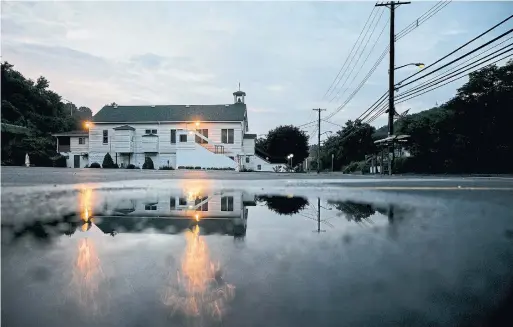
pixel 77 161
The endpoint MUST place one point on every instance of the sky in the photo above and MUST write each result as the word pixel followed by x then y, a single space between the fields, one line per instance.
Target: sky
pixel 284 54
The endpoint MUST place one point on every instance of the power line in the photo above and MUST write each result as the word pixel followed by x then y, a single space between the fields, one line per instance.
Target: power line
pixel 453 80
pixel 452 74
pixel 350 52
pixel 360 55
pixel 459 48
pixel 461 57
pixel 419 21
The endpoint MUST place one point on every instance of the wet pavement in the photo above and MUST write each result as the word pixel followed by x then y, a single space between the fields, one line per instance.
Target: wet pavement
pixel 291 252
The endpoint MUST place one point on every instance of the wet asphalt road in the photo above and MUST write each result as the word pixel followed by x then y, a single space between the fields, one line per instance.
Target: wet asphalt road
pixel 349 251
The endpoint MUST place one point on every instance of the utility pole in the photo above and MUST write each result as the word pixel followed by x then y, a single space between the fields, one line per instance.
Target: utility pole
pixel 392 5
pixel 319 140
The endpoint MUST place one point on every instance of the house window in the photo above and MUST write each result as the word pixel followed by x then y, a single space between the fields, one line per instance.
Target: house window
pixel 150 207
pixel 182 201
pixel 183 138
pixel 81 140
pixel 227 203
pixel 259 167
pixel 247 159
pixel 172 203
pixel 227 136
pixel 105 136
pixel 173 136
pixel 151 131
pixel 203 132
pixel 204 206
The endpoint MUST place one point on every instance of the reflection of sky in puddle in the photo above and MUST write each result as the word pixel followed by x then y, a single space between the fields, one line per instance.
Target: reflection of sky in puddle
pixel 151 248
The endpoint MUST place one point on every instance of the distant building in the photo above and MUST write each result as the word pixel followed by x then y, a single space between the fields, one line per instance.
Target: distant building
pixel 206 136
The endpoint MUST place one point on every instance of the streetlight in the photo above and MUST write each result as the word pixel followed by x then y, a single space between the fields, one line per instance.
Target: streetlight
pixel 290 156
pixel 418 64
pixel 87 124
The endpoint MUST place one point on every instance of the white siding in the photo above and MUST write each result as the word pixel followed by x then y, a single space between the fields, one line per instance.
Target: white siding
pixel 248 146
pixel 70 162
pixel 123 141
pixel 188 151
pixel 75 147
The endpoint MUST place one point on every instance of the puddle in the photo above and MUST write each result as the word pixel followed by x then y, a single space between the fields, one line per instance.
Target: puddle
pixel 204 255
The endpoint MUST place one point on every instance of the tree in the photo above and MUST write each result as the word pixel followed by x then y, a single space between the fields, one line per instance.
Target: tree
pixel 148 163
pixel 470 132
pixel 348 145
pixel 285 140
pixel 284 205
pixel 108 162
pixel 32 105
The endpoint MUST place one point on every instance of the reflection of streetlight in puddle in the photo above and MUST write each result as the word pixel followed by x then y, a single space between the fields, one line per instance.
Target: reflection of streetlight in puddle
pixel 200 290
pixel 87 271
pixel 87 275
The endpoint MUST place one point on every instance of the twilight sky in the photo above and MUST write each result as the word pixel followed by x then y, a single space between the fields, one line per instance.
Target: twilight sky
pixel 285 54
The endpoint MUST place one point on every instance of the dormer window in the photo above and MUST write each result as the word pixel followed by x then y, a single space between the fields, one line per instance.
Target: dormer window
pixel 151 131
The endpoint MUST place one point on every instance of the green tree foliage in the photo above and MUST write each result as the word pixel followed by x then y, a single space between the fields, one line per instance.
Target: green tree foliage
pixel 348 145
pixel 353 210
pixel 285 140
pixel 468 134
pixel 33 105
pixel 284 205
pixel 108 162
pixel 148 163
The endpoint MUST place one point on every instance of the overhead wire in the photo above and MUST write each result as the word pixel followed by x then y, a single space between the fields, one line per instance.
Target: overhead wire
pixel 349 55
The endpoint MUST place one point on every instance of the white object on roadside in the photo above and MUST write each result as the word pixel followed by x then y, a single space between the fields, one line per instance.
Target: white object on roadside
pixel 27 160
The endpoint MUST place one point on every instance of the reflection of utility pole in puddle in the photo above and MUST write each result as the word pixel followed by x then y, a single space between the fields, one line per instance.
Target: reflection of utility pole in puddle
pixel 319 217
pixel 199 291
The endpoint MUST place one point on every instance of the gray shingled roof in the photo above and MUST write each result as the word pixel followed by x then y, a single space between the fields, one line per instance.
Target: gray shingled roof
pixel 72 133
pixel 124 128
pixel 128 114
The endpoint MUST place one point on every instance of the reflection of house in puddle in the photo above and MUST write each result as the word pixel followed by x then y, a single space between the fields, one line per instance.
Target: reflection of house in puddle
pixel 221 212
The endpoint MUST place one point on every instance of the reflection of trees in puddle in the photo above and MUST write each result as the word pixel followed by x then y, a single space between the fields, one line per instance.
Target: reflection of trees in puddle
pixel 284 205
pixel 361 212
pixel 199 290
pixel 354 211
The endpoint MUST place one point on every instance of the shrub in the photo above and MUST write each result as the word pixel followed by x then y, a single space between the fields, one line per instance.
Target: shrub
pixel 244 170
pixel 59 161
pixel 95 165
pixel 148 163
pixel 197 167
pixel 130 166
pixel 181 167
pixel 108 162
pixel 166 168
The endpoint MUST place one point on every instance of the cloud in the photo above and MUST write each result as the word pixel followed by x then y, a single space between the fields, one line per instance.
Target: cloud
pixel 275 88
pixel 285 54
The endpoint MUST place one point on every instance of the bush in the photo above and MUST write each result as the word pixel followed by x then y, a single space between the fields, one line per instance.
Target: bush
pixel 166 168
pixel 95 165
pixel 244 170
pixel 108 162
pixel 181 167
pixel 148 163
pixel 59 161
pixel 197 167
pixel 130 166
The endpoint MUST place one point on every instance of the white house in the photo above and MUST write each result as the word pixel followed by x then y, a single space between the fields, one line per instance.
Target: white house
pixel 74 146
pixel 206 136
pixel 221 212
